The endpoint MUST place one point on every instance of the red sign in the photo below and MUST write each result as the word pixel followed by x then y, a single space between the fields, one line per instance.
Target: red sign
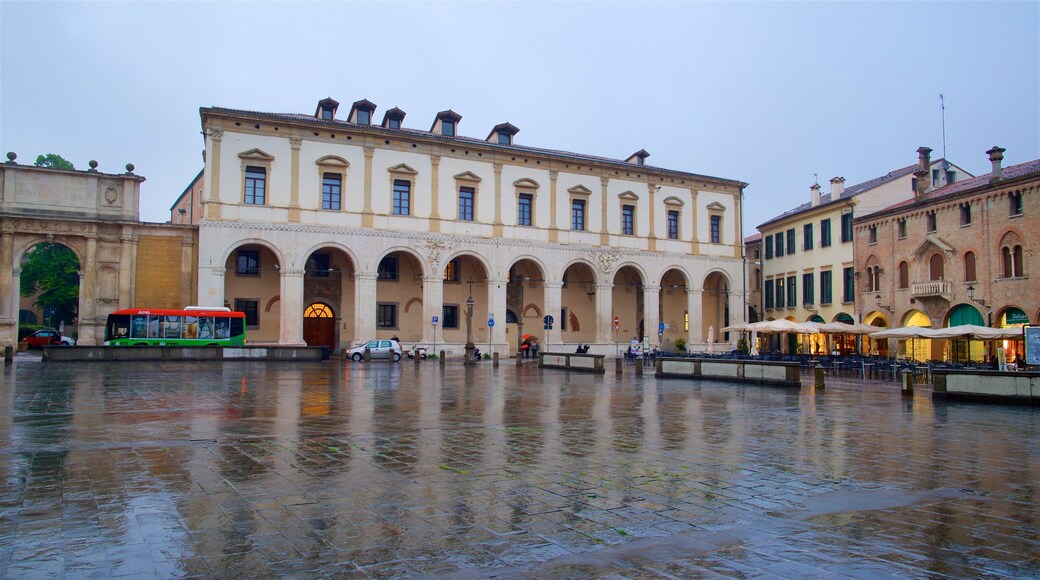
pixel 617 323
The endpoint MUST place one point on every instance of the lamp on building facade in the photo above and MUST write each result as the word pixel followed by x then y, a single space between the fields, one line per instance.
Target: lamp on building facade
pixel 981 302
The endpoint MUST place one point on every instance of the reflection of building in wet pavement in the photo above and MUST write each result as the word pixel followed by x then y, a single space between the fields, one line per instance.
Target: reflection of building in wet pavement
pixel 390 470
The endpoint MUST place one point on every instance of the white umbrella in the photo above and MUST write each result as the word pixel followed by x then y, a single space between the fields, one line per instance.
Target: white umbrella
pixel 736 327
pixel 845 328
pixel 905 332
pixel 711 339
pixel 754 343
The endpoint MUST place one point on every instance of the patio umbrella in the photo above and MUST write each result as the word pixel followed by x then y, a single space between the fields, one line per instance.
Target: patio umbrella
pixel 736 327
pixel 754 343
pixel 711 339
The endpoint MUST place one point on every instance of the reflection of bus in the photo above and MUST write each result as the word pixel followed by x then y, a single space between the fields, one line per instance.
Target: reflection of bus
pixel 193 326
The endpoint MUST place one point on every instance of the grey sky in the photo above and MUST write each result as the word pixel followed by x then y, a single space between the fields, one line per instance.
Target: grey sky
pixel 767 93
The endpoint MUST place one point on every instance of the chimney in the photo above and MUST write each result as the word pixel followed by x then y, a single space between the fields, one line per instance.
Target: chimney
pixel 924 162
pixel 815 191
pixel 837 187
pixel 996 155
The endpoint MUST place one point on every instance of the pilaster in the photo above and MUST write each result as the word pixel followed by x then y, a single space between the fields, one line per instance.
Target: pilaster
pixel 652 310
pixel 651 189
pixel 88 294
pixel 435 183
pixel 366 212
pixel 295 142
pixel 604 236
pixel 497 305
pixel 553 305
pixel 128 265
pixel 694 304
pixel 433 305
pixel 554 232
pixel 212 209
pixel 604 312
pixel 498 199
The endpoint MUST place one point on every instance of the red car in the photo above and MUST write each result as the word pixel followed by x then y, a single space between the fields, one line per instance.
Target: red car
pixel 47 336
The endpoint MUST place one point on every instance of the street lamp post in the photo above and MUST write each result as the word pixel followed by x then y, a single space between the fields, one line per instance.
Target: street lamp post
pixel 469 333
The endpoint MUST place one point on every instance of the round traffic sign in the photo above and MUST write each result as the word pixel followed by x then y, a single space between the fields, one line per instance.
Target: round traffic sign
pixel 491 322
pixel 617 323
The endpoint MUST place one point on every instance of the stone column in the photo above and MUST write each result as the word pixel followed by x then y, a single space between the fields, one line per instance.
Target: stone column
pixel 9 307
pixel 128 266
pixel 652 311
pixel 291 331
pixel 497 305
pixel 364 306
pixel 604 313
pixel 694 305
pixel 433 305
pixel 88 295
pixel 553 303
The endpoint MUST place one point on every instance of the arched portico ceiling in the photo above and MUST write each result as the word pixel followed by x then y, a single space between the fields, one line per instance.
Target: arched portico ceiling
pixel 916 318
pixel 534 260
pixel 254 242
pixel 643 277
pixel 400 250
pixel 717 273
pixel 579 262
pixel 466 254
pixel 675 270
pixel 330 246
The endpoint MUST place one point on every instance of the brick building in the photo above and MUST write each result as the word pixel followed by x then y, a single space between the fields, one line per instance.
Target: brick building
pixel 961 253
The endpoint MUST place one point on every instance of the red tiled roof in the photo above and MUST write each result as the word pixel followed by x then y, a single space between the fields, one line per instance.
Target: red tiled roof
pixel 466 140
pixel 1013 172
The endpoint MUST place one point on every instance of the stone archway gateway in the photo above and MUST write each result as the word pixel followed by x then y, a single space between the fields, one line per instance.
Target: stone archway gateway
pixel 123 263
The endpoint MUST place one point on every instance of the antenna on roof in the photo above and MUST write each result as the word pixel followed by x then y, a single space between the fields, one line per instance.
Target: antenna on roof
pixel 942 105
pixel 815 179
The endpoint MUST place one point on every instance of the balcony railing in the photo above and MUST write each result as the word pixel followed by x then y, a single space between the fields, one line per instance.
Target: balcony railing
pixel 933 288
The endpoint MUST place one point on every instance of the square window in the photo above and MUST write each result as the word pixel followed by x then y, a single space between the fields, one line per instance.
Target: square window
pixel 578 214
pixel 251 308
pixel 523 209
pixel 256 185
pixel 364 117
pixel 387 269
pixel 386 315
pixel 330 190
pixel 393 123
pixel 1016 204
pixel 466 204
pixel 627 216
pixel 402 197
pixel 450 315
pixel 505 139
pixel 966 214
pixel 247 263
pixel 448 128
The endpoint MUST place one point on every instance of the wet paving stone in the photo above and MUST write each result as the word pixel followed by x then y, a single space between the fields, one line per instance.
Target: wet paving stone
pixel 372 471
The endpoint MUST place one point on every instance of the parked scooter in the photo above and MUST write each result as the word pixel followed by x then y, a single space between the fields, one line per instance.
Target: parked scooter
pixel 417 349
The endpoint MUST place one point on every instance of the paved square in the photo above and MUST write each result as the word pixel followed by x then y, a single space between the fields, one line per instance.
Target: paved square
pixel 382 470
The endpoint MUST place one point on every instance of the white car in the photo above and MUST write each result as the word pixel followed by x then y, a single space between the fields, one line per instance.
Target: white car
pixel 377 349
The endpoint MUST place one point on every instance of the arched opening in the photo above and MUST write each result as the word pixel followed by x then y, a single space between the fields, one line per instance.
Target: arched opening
pixel 935 267
pixel 319 325
pixel 963 350
pixel 627 304
pixel 399 284
pixel 464 277
pixel 919 349
pixel 672 306
pixel 252 285
pixel 715 309
pixel 49 289
pixel 878 346
pixel 328 281
pixel 577 321
pixel 525 296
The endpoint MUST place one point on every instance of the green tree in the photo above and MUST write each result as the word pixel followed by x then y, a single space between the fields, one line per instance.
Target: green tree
pixel 51 272
pixel 54 161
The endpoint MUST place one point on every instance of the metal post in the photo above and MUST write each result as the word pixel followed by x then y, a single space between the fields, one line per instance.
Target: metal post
pixel 469 333
pixel 818 381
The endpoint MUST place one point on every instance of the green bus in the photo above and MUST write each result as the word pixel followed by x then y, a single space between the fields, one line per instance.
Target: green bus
pixel 192 326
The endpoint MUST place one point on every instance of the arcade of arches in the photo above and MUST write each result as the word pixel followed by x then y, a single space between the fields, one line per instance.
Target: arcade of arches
pixel 340 296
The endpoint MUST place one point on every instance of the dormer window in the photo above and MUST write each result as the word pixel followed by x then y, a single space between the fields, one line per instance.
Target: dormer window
pixel 326 110
pixel 638 158
pixel 393 118
pixel 502 134
pixel 361 112
pixel 445 123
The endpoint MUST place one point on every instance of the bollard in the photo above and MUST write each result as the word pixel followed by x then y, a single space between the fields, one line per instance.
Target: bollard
pixel 908 383
pixel 368 354
pixel 519 358
pixel 8 355
pixel 494 358
pixel 390 356
pixel 441 359
pixel 818 376
pixel 639 367
pixel 618 365
pixel 416 357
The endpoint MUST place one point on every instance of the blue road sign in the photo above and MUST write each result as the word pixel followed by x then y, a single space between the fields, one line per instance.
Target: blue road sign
pixel 491 322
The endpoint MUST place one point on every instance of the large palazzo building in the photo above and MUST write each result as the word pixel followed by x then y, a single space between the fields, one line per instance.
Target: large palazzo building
pixel 331 229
